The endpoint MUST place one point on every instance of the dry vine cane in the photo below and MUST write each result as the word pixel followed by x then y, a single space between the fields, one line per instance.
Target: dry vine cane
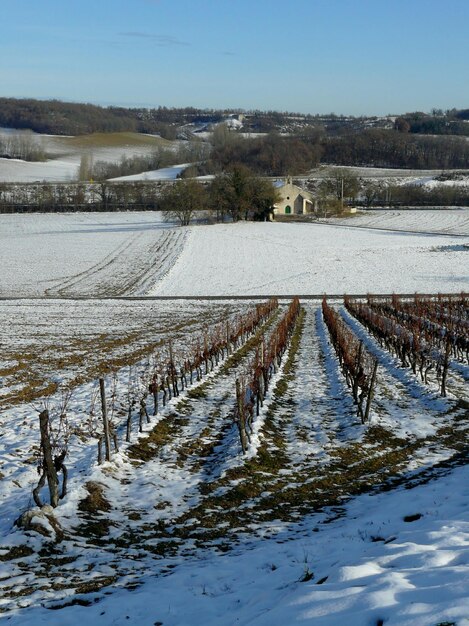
pixel 412 342
pixel 357 365
pixel 252 388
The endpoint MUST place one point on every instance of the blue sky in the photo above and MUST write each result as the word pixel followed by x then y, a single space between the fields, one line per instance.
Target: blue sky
pixel 315 56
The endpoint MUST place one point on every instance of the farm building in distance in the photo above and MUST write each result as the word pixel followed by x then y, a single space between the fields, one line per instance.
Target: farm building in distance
pixel 293 199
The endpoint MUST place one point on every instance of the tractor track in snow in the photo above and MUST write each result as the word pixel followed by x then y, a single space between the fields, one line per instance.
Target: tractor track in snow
pixel 117 276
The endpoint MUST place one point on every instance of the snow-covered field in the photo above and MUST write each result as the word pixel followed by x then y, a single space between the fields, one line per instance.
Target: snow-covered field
pixel 415 575
pixel 164 173
pixel 96 254
pixel 183 530
pixel 448 221
pixel 313 258
pixel 66 154
pixel 90 254
pixel 64 169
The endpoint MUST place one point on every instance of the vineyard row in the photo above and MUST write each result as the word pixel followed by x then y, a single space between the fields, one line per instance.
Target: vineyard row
pixel 164 376
pixel 357 365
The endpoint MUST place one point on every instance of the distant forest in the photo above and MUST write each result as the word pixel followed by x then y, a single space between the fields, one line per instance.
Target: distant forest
pixel 385 148
pixel 68 118
pixel 276 155
pixel 294 142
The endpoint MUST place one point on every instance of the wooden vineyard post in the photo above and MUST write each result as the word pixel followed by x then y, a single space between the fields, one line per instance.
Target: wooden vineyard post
pixel 155 396
pixel 143 413
pixel 107 438
pixel 49 467
pixel 173 370
pixel 241 421
pixel 445 367
pixel 129 425
pixel 206 353
pixel 357 368
pixel 371 392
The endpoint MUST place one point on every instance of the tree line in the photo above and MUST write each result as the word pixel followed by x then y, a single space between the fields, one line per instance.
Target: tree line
pixel 73 118
pixel 387 148
pixel 24 145
pixel 63 118
pixel 294 143
pixel 379 193
pixel 277 155
pixel 438 122
pixel 273 155
pixel 98 196
pixel 236 194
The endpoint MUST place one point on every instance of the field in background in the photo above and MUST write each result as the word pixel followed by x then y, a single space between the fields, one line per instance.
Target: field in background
pixel 66 154
pixel 115 254
pixel 448 221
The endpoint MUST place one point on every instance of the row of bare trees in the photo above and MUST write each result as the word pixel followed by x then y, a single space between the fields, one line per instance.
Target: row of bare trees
pixel 95 196
pixel 358 366
pixel 251 389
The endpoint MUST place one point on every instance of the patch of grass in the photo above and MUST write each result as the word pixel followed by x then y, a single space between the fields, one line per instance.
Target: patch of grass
pixel 162 504
pixel 307 576
pixel 147 448
pixel 95 501
pixel 95 531
pixel 163 548
pixel 199 392
pixel 134 515
pixel 74 602
pixel 95 526
pixel 412 518
pixel 195 446
pixel 113 140
pixel 184 407
pixel 17 552
pixel 54 563
pixel 96 584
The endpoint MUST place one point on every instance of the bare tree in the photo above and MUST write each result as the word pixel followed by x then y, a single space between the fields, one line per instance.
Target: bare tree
pixel 182 200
